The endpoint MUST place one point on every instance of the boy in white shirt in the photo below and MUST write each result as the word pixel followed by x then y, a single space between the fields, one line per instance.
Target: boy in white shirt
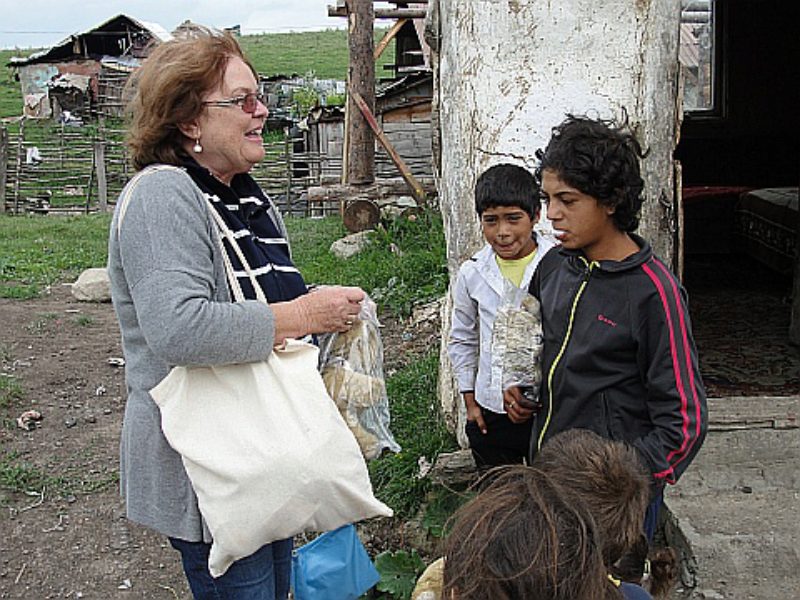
pixel 507 203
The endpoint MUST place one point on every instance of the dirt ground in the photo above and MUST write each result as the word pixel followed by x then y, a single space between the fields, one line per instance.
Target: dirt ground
pixel 73 541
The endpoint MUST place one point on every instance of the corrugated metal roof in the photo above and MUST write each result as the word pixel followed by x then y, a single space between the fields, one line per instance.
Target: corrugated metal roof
pixel 65 48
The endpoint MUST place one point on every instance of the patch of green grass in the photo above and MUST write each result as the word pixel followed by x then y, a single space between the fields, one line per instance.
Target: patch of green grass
pixel 418 428
pixel 395 280
pixel 84 320
pixel 18 475
pixel 37 251
pixel 441 503
pixel 10 391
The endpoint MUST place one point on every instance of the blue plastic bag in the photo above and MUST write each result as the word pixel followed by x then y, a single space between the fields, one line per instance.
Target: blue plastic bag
pixel 334 566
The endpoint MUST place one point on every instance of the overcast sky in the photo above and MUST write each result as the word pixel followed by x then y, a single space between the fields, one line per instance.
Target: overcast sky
pixel 42 23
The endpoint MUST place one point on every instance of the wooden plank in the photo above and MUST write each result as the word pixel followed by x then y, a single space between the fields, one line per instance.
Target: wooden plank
pixel 100 166
pixel 383 13
pixel 388 37
pixel 405 173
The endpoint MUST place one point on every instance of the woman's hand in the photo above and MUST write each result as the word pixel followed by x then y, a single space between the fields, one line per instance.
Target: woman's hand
pixel 326 309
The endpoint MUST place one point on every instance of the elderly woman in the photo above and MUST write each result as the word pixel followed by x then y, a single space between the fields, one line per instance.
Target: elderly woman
pixel 197 119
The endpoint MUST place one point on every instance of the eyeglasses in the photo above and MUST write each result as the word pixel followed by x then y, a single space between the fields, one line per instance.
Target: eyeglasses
pixel 247 102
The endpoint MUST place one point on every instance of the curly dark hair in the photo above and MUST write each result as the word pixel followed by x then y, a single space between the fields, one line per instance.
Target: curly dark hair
pixel 601 159
pixel 524 536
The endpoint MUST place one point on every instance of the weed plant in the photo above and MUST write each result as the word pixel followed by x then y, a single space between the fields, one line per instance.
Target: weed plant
pixel 19 476
pixel 10 391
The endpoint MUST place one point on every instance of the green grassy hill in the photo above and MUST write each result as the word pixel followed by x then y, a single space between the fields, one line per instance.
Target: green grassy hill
pixel 323 53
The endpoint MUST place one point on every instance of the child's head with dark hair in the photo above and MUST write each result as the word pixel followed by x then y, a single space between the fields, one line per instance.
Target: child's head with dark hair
pixel 524 536
pixel 608 476
pixel 507 202
pixel 601 159
pixel 507 185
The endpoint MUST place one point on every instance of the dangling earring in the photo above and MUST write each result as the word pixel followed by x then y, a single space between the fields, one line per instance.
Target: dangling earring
pixel 197 147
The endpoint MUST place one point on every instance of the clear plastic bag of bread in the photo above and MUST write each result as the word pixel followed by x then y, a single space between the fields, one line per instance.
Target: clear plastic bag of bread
pixel 351 364
pixel 517 342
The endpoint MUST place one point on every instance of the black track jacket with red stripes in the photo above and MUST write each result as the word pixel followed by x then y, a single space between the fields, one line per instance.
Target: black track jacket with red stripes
pixel 619 357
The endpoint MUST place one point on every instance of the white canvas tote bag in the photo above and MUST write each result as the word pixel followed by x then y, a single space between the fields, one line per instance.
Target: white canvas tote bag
pixel 266 450
pixel 265 447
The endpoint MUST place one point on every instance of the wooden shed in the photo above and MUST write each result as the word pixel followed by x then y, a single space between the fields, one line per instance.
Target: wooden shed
pixel 403 111
pixel 84 73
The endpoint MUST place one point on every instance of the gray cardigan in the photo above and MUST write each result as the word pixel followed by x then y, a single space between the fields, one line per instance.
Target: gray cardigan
pixel 171 298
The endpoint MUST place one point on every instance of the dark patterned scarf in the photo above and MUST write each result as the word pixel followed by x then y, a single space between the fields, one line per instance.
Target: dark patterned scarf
pixel 248 213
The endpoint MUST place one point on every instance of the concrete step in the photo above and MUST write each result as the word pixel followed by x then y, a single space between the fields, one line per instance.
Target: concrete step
pixel 737 508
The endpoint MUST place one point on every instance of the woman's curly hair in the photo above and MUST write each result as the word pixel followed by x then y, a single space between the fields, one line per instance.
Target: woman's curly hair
pixel 601 159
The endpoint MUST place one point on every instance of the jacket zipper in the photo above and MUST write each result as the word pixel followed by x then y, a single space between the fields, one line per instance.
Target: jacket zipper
pixel 586 273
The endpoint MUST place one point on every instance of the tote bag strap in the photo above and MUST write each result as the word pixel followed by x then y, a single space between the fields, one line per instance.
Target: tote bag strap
pixel 125 199
pixel 225 232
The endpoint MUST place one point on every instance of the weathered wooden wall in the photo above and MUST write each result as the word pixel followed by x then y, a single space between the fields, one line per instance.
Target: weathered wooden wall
pixel 509 70
pixel 408 130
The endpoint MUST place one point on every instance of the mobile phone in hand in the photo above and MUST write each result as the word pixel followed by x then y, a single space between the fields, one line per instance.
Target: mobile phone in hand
pixel 529 397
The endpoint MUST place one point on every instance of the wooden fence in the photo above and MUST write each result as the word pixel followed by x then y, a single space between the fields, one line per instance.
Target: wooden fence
pixel 63 169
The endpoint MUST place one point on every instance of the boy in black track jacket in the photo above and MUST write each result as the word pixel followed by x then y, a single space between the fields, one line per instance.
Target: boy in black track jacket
pixel 619 357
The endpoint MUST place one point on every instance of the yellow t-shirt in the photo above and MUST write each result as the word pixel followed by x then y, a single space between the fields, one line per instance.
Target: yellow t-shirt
pixel 513 270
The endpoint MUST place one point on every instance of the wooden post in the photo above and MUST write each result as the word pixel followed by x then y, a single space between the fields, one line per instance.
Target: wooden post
pixel 361 77
pixel 100 167
pixel 287 151
pixel 18 165
pixel 3 166
pixel 61 146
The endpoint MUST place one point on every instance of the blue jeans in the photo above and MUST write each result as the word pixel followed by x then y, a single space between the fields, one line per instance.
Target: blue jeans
pixel 264 575
pixel 651 516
